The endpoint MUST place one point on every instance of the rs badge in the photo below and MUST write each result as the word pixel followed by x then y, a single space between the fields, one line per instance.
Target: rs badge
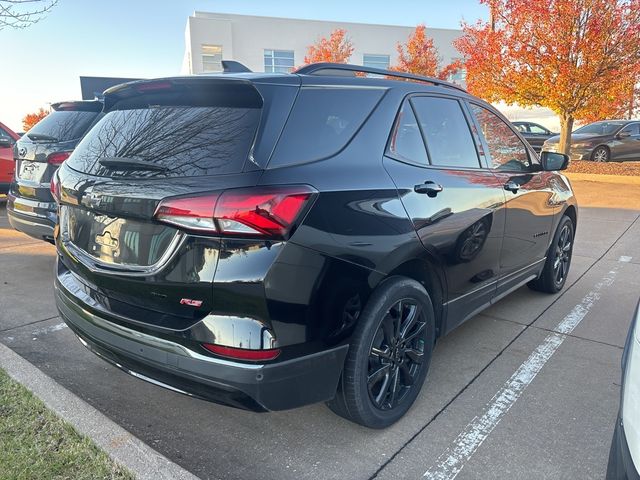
pixel 190 302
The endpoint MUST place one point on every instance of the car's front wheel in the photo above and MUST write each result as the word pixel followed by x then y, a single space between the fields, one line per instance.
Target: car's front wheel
pixel 600 154
pixel 556 268
pixel 389 355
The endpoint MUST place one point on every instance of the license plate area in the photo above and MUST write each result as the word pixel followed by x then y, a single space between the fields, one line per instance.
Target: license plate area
pixel 31 171
pixel 114 241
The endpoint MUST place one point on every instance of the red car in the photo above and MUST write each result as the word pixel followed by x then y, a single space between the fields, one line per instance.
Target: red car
pixel 7 164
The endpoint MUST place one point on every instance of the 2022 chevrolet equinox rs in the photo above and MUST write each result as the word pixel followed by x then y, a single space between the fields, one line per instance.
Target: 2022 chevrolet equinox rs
pixel 268 241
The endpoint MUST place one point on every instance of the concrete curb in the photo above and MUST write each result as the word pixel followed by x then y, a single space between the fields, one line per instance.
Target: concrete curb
pixel 125 449
pixel 599 178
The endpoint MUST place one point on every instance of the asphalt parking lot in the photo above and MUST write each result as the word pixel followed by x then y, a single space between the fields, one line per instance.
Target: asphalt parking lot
pixel 506 397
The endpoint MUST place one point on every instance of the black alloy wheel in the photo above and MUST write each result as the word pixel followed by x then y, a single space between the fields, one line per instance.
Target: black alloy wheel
pixel 396 354
pixel 556 267
pixel 389 354
pixel 562 254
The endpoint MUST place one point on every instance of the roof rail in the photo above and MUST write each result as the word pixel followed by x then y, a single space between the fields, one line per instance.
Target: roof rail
pixel 231 66
pixel 328 68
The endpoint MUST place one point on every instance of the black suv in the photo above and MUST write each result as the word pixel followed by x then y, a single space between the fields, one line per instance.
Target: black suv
pixel 272 240
pixel 30 207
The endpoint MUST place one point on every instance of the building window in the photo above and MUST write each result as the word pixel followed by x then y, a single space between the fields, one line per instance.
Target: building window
pixel 211 58
pixel 278 61
pixel 459 77
pixel 375 61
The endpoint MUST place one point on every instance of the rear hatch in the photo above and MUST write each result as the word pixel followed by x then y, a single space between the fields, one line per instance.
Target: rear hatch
pixel 50 142
pixel 137 196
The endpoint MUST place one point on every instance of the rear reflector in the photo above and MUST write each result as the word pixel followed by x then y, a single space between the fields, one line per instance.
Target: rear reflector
pixel 242 353
pixel 57 158
pixel 261 211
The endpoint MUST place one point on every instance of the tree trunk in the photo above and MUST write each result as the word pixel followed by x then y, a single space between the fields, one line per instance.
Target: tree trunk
pixel 566 126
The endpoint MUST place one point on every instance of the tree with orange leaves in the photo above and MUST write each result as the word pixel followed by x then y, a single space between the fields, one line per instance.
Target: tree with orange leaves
pixel 575 57
pixel 420 56
pixel 31 119
pixel 337 48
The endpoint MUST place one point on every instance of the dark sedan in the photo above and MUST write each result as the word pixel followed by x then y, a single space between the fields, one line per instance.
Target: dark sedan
pixel 609 140
pixel 534 133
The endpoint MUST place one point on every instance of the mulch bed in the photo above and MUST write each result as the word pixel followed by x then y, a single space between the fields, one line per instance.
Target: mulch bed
pixel 611 168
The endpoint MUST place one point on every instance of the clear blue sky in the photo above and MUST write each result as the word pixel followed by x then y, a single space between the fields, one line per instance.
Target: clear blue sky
pixel 145 38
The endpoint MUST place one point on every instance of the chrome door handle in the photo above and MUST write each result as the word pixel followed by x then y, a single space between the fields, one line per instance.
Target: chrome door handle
pixel 430 188
pixel 512 186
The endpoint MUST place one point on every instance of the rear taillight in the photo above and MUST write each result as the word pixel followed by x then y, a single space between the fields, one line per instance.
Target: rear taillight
pixel 54 186
pixel 262 211
pixel 242 353
pixel 57 158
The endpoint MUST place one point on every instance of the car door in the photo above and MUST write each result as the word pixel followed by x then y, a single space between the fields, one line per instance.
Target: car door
pixel 530 207
pixel 457 207
pixel 627 143
pixel 7 164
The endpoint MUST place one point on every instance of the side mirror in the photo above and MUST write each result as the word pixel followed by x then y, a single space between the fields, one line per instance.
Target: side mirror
pixel 624 134
pixel 6 143
pixel 552 161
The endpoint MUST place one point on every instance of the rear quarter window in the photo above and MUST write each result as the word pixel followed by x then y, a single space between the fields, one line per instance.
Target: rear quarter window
pixel 322 122
pixel 65 125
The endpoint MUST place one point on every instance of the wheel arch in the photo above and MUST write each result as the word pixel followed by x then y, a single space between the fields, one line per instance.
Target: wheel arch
pixel 432 279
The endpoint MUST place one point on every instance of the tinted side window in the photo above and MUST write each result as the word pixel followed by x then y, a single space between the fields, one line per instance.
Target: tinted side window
pixel 64 125
pixel 406 141
pixel 521 128
pixel 633 129
pixel 446 131
pixel 538 129
pixel 4 136
pixel 322 121
pixel 507 151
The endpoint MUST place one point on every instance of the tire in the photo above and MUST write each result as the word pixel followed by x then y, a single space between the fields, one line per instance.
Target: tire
pixel 600 154
pixel 381 360
pixel 556 268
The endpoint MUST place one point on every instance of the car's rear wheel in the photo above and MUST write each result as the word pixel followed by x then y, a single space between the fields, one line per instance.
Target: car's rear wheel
pixel 556 267
pixel 600 154
pixel 389 355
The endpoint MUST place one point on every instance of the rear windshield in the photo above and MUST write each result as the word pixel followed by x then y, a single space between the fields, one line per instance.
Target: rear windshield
pixel 322 122
pixel 64 125
pixel 175 141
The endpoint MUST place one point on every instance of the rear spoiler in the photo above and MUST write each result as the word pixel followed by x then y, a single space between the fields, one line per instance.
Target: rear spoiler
pixel 78 106
pixel 196 91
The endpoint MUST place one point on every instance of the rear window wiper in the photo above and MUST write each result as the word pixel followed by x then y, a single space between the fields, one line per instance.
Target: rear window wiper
pixel 42 137
pixel 123 163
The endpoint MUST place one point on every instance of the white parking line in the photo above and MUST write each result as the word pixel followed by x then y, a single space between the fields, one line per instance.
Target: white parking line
pixel 451 462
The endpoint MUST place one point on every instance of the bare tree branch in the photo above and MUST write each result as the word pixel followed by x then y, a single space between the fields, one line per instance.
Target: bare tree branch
pixel 23 13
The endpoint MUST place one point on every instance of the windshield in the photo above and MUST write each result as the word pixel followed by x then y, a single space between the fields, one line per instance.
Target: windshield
pixel 63 125
pixel 599 128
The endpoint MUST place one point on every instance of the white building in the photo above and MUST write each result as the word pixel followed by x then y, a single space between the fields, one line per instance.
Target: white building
pixel 270 44
pixel 267 44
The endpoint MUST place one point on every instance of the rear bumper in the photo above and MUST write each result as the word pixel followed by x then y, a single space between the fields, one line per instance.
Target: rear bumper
pixel 620 466
pixel 259 387
pixel 36 219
